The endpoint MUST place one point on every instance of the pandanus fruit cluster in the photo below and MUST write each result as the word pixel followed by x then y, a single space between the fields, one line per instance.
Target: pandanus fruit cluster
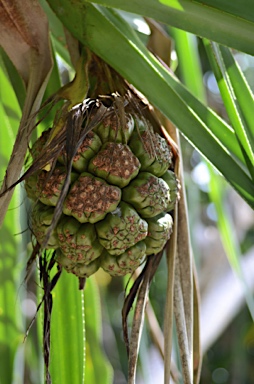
pixel 121 190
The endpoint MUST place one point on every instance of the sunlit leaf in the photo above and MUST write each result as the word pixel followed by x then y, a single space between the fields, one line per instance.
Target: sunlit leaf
pixel 230 25
pixel 229 76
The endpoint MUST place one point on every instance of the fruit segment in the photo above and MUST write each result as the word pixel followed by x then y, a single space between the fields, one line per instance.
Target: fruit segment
pixel 116 128
pixel 159 231
pixel 85 152
pixel 78 269
pixel 148 194
pixel 115 163
pixel 41 219
pixel 151 149
pixel 127 262
pixel 78 242
pixel 121 229
pixel 170 178
pixel 91 198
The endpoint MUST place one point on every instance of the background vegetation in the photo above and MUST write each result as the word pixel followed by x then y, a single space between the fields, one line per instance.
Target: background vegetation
pixel 217 153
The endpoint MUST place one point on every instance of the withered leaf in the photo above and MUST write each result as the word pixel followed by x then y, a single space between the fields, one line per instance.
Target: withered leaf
pixel 24 37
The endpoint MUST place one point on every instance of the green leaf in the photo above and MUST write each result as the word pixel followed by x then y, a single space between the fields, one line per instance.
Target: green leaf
pixel 232 26
pixel 11 332
pixel 229 76
pixel 76 335
pixel 47 115
pixel 67 332
pixel 98 22
pixel 243 93
pixel 16 81
pixel 11 329
pixel 98 370
pixel 239 8
pixel 189 64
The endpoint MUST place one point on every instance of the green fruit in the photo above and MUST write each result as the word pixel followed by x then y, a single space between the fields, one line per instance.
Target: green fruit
pixel 149 195
pixel 41 219
pixel 151 149
pixel 91 198
pixel 46 186
pixel 159 231
pixel 31 187
pixel 174 186
pixel 78 241
pixel 114 214
pixel 77 268
pixel 85 152
pixel 114 129
pixel 126 262
pixel 121 229
pixel 39 144
pixel 115 163
pixel 49 185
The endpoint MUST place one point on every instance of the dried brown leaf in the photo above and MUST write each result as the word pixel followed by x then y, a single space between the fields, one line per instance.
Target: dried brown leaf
pixel 159 42
pixel 184 293
pixel 197 352
pixel 158 340
pixel 185 263
pixel 23 29
pixel 24 37
pixel 183 290
pixel 73 47
pixel 168 316
pixel 180 318
pixel 137 324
